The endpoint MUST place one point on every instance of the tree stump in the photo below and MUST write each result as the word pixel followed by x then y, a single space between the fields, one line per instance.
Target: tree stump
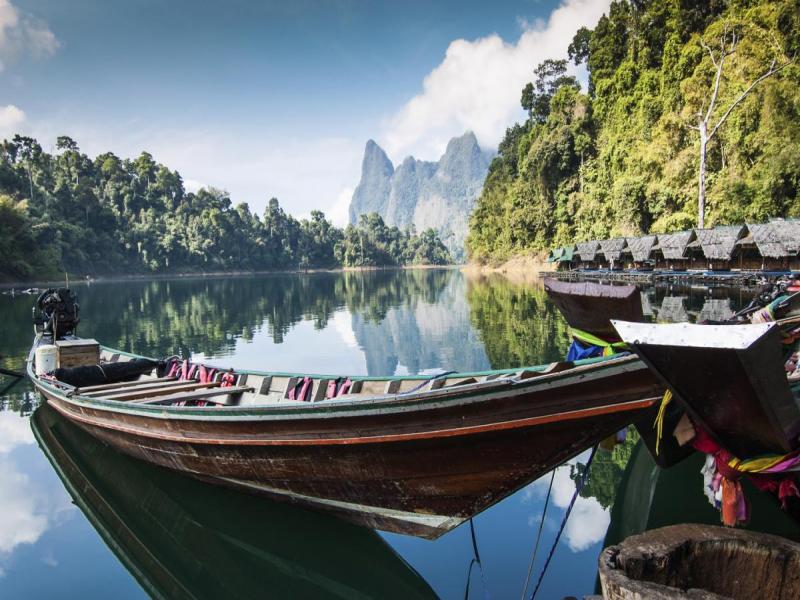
pixel 701 562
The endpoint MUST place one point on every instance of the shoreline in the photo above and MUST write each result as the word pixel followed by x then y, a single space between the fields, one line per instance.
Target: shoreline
pixel 521 269
pixel 44 283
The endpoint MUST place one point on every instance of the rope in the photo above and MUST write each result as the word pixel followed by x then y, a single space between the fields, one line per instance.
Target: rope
pixel 658 424
pixel 427 381
pixel 475 560
pixel 578 487
pixel 539 534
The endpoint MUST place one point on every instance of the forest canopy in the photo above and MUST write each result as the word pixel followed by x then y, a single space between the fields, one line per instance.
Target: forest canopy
pixel 622 157
pixel 65 212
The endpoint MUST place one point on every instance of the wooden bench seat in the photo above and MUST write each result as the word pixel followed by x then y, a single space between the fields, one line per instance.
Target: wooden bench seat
pixel 197 395
pixel 161 391
pixel 122 384
pixel 142 385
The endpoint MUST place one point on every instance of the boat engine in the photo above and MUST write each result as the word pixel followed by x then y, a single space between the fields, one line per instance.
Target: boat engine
pixel 57 313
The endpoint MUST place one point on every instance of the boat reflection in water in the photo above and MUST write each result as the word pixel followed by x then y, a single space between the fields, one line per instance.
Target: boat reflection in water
pixel 181 538
pixel 649 497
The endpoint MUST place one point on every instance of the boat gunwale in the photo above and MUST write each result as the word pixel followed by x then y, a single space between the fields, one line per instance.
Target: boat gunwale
pixel 333 408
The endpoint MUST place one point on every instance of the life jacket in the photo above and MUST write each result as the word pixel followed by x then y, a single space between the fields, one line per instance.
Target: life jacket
pixel 301 390
pixel 228 379
pixel 330 391
pixel 345 387
pixel 175 367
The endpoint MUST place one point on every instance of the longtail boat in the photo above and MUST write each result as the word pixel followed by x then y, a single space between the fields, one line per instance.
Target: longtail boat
pixel 180 538
pixel 415 455
pixel 589 309
pixel 742 401
pixel 730 379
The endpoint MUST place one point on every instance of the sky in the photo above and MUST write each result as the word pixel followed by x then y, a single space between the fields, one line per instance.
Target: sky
pixel 274 99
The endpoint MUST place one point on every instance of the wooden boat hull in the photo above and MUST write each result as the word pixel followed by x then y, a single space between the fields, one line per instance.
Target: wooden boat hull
pixel 182 539
pixel 591 306
pixel 418 464
pixel 729 378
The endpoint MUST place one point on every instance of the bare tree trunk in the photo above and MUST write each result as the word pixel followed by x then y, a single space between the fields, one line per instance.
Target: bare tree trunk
pixel 704 126
pixel 701 195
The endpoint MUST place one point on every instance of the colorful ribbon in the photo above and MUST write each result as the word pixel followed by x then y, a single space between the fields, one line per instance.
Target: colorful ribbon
pixel 609 348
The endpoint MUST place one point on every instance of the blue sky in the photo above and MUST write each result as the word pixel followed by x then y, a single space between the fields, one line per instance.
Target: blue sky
pixel 273 98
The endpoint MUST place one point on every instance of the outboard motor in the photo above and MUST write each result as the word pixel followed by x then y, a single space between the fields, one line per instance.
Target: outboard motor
pixel 57 314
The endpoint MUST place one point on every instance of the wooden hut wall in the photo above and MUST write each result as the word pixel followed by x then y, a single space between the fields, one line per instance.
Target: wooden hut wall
pixel 641 249
pixel 671 250
pixel 718 245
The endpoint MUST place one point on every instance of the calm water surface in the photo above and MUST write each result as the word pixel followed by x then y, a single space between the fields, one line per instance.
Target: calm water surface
pixel 79 520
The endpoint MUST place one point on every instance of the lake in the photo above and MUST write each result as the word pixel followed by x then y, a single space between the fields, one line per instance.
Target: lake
pixel 79 520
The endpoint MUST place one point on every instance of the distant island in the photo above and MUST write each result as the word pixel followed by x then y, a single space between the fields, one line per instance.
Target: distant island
pixel 66 212
pixel 691 119
pixel 422 194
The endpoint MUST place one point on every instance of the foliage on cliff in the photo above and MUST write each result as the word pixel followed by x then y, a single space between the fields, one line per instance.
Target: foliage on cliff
pixel 66 212
pixel 622 158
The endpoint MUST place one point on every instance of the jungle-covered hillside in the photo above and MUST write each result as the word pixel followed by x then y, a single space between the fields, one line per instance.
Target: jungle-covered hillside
pixel 623 156
pixel 66 212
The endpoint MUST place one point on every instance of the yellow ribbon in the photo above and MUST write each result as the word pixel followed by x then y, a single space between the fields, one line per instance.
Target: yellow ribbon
pixel 756 465
pixel 658 424
pixel 609 348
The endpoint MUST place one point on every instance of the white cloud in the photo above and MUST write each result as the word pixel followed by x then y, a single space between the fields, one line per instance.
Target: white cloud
pixel 14 431
pixel 192 185
pixel 21 33
pixel 343 325
pixel 11 118
pixel 478 84
pixel 21 522
pixel 588 522
pixel 339 213
pixel 26 510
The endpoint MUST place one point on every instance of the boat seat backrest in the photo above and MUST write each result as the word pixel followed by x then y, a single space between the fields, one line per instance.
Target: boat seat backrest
pixel 320 390
pixel 266 383
pixel 392 386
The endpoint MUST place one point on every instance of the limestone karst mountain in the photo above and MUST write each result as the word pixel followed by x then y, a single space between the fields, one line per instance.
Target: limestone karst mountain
pixel 424 194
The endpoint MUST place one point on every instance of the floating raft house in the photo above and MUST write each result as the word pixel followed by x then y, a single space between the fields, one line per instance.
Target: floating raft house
pixel 770 246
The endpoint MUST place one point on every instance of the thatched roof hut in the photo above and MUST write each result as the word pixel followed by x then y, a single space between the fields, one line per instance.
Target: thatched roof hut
pixel 587 251
pixel 780 238
pixel 673 245
pixel 720 242
pixel 789 232
pixel 673 310
pixel 641 248
pixel 715 309
pixel 613 249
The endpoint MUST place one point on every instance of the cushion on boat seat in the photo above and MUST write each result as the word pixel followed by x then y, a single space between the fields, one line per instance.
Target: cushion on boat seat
pixel 105 372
